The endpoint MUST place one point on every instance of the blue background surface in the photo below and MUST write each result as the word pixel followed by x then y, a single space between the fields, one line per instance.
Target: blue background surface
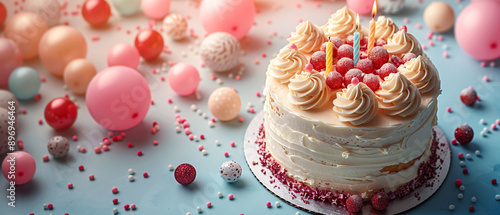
pixel 160 194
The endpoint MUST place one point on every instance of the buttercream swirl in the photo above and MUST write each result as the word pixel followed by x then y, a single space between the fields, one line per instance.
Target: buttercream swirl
pixel 308 90
pixel 398 96
pixel 418 72
pixel 288 62
pixel 308 37
pixel 341 24
pixel 401 43
pixel 356 104
pixel 385 28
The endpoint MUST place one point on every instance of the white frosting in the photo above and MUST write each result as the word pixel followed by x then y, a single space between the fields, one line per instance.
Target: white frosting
pixel 341 24
pixel 308 90
pixel 288 62
pixel 385 28
pixel 423 76
pixel 356 104
pixel 398 96
pixel 401 43
pixel 308 37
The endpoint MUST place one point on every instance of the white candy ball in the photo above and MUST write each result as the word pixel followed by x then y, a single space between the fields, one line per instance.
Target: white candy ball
pixel 48 10
pixel 5 97
pixel 220 51
pixel 127 7
pixel 175 26
pixel 391 6
pixel 58 147
pixel 230 171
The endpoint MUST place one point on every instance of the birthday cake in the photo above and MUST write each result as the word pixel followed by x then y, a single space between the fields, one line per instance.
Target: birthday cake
pixel 359 128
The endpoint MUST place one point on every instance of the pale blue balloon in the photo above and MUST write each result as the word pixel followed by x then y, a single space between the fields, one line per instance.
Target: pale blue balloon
pixel 127 7
pixel 24 83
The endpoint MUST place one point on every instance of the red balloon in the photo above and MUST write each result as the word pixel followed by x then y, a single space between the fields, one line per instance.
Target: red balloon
pixel 149 43
pixel 3 13
pixel 60 113
pixel 96 12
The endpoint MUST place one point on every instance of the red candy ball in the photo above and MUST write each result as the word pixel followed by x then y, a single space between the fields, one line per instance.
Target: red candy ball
pixel 318 60
pixel 185 174
pixel 354 203
pixel 349 40
pixel 379 56
pixel 337 42
pixel 386 70
pixel 464 134
pixel 365 65
pixel 468 96
pixel 149 43
pixel 371 81
pixel 380 201
pixel 353 73
pixel 345 51
pixel 334 49
pixel 60 113
pixel 334 80
pixel 3 13
pixel 96 12
pixel 396 61
pixel 344 65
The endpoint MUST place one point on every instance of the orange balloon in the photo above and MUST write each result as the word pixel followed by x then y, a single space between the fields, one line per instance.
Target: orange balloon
pixel 78 74
pixel 3 13
pixel 26 29
pixel 59 46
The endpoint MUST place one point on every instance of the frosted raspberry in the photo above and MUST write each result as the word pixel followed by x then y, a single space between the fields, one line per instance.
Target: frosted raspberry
pixel 379 56
pixel 345 51
pixel 185 174
pixel 344 65
pixel 363 41
pixel 337 42
pixel 464 134
pixel 349 40
pixel 386 70
pixel 334 80
pixel 365 65
pixel 351 74
pixel 396 61
pixel 371 81
pixel 380 42
pixel 334 49
pixel 468 96
pixel 318 60
pixel 354 203
pixel 380 201
pixel 408 57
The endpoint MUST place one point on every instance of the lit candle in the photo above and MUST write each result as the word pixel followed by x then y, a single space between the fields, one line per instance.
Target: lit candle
pixel 329 57
pixel 356 41
pixel 373 25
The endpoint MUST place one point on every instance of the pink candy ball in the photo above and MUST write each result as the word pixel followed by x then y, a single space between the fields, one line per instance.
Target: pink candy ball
pixel 477 30
pixel 20 165
pixel 234 17
pixel 118 98
pixel 123 54
pixel 155 9
pixel 224 103
pixel 184 79
pixel 361 6
pixel 10 58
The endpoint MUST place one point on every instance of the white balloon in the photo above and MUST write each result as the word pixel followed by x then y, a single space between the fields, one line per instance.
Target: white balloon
pixel 49 10
pixel 127 7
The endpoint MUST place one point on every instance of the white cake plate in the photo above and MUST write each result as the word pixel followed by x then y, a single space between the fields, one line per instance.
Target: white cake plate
pixel 317 207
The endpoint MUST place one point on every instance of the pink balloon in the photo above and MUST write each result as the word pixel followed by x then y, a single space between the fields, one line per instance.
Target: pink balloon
pixel 234 17
pixel 155 9
pixel 118 98
pixel 477 30
pixel 361 6
pixel 184 79
pixel 474 1
pixel 123 54
pixel 24 167
pixel 10 59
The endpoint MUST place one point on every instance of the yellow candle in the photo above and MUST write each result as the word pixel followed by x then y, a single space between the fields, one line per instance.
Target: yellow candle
pixel 329 57
pixel 373 25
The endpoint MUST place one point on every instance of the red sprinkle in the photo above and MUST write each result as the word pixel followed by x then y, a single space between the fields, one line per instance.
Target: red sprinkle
pixel 45 158
pixel 448 109
pixel 50 206
pixel 454 141
pixel 132 206
pixel 471 208
pixel 81 168
pixel 139 153
pixel 465 171
pixel 233 144
pixel 268 204
pixel 130 145
pixel 105 148
pixel 493 181
pixel 241 119
pixel 115 201
pixel 114 190
pixel 209 204
pixel 70 186
pixel 226 154
pixel 257 94
pixel 155 142
pixel 126 206
pixel 91 177
pixel 461 155
pixel 230 196
pixel 97 150
pixel 202 136
pixel 40 121
pixel 75 137
pixel 145 175
pixel 458 182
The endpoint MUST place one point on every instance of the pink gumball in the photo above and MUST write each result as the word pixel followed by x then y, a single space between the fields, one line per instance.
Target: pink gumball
pixel 155 9
pixel 184 79
pixel 118 98
pixel 123 54
pixel 10 59
pixel 234 17
pixel 224 103
pixel 477 30
pixel 19 166
pixel 361 6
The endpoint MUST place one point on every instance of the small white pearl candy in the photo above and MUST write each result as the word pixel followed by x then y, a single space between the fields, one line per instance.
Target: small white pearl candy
pixel 188 213
pixel 131 171
pixel 176 109
pixel 45 206
pixel 460 196
pixel 462 163
pixel 218 81
pixel 199 112
pixel 217 142
pixel 468 156
pixel 204 152
pixel 451 207
pixel 198 209
pixel 178 129
pixel 193 107
pixel 205 116
pixel 170 167
pixel 219 194
pixel 482 122
pixel 211 124
pixel 277 204
pixel 115 210
pixel 131 178
pixel 298 213
pixel 462 188
pixel 473 200
pixel 497 197
pixel 478 153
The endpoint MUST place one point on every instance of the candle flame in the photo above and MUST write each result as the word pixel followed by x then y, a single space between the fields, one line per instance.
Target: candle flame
pixel 374 9
pixel 357 22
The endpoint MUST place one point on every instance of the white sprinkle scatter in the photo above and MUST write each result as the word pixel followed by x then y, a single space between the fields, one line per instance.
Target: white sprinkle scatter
pixel 483 133
pixel 482 122
pixel 176 109
pixel 468 156
pixel 478 153
pixel 277 204
pixel 451 207
pixel 462 188
pixel 473 199
pixel 211 124
pixel 199 112
pixel 298 213
pixel 205 116
pixel 445 47
pixel 45 206
pixel 497 197
pixel 198 209
pixel 194 107
pixel 219 194
pixel 131 178
pixel 115 210
pixel 204 152
pixel 188 213
pixel 230 75
pixel 218 81
pixel 217 142
pixel 130 171
pixel 262 99
pixel 170 167
pixel 460 196
pixel 178 129
pixel 462 163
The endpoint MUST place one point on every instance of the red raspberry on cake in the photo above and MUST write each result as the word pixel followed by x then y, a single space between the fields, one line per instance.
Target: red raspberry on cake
pixel 380 201
pixel 386 70
pixel 353 73
pixel 354 203
pixel 318 60
pixel 365 65
pixel 464 133
pixel 344 65
pixel 334 80
pixel 349 40
pixel 379 56
pixel 337 42
pixel 380 42
pixel 334 49
pixel 468 96
pixel 371 81
pixel 408 57
pixel 345 51
pixel 396 61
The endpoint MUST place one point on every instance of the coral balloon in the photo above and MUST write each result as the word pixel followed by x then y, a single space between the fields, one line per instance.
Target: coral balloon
pixel 224 103
pixel 60 113
pixel 155 9
pixel 24 83
pixel 149 43
pixel 234 17
pixel 118 98
pixel 49 10
pixel 10 59
pixel 361 6
pixel 96 12
pixel 59 46
pixel 78 74
pixel 477 30
pixel 127 7
pixel 123 54
pixel 26 29
pixel 4 132
pixel 439 16
pixel 184 79
pixel 3 13
pixel 24 167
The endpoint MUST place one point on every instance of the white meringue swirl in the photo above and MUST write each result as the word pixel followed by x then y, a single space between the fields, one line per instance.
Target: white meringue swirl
pixel 385 28
pixel 288 63
pixel 308 37
pixel 341 24
pixel 418 72
pixel 402 43
pixel 398 96
pixel 308 90
pixel 356 104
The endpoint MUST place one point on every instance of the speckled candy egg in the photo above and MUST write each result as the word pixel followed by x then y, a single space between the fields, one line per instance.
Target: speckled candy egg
pixel 220 51
pixel 230 171
pixel 4 132
pixel 439 16
pixel 175 26
pixel 58 146
pixel 224 103
pixel 5 97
